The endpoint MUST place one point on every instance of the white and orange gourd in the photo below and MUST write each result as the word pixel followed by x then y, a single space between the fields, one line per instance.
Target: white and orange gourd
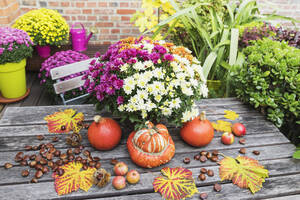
pixel 152 146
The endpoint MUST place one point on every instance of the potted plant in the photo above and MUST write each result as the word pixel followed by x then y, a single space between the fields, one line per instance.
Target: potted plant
pixel 141 79
pixel 60 59
pixel 45 27
pixel 15 47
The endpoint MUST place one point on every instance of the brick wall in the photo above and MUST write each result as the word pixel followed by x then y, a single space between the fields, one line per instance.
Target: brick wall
pixel 9 11
pixel 112 17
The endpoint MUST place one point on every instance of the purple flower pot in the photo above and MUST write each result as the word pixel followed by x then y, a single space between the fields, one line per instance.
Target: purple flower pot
pixel 43 51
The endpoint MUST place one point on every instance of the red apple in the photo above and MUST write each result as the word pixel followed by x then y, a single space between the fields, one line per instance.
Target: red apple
pixel 227 138
pixel 119 182
pixel 120 169
pixel 238 129
pixel 133 176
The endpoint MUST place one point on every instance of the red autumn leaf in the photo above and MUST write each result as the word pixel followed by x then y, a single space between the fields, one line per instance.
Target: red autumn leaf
pixel 73 178
pixel 64 121
pixel 177 183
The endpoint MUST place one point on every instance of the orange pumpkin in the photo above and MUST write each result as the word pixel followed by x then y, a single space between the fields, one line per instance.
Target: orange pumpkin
pixel 151 147
pixel 199 132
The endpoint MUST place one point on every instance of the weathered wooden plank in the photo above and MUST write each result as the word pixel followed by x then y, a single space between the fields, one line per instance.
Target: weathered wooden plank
pixel 279 167
pixel 45 99
pixel 35 93
pixel 18 143
pixel 120 152
pixel 253 125
pixel 35 115
pixel 67 85
pixel 69 69
pixel 273 186
pixel 291 197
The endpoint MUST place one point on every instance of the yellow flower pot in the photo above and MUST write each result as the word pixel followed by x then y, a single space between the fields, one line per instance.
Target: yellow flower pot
pixel 13 79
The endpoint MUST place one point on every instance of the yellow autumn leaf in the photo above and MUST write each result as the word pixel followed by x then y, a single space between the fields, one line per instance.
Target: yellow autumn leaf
pixel 64 121
pixel 222 126
pixel 244 172
pixel 229 114
pixel 73 178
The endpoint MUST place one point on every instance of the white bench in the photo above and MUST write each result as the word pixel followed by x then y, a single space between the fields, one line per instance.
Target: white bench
pixel 63 86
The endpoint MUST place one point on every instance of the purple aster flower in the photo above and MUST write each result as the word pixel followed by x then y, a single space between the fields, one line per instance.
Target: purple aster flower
pixel 168 57
pixel 120 100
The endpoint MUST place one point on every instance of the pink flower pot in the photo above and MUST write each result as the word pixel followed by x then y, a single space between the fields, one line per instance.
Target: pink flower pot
pixel 43 51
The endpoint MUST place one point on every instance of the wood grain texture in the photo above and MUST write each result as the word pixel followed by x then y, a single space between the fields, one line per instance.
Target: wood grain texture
pixel 67 85
pixel 274 186
pixel 20 126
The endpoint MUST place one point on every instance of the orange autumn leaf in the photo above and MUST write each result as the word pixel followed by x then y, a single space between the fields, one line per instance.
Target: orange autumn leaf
pixel 244 172
pixel 177 183
pixel 64 121
pixel 73 178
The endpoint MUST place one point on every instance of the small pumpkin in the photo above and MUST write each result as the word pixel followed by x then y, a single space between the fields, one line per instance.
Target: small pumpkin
pixel 152 146
pixel 198 132
pixel 104 133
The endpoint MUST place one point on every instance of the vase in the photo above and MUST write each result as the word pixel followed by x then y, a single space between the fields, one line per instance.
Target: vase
pixel 13 79
pixel 43 51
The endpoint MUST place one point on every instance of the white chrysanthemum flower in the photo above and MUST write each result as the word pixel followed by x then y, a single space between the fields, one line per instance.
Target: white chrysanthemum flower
pixel 158 73
pixel 124 67
pixel 148 63
pixel 194 82
pixel 181 76
pixel 142 94
pixel 175 103
pixel 187 91
pixel 196 61
pixel 127 89
pixel 190 71
pixel 121 108
pixel 139 66
pixel 166 111
pixel 144 114
pixel 150 105
pixel 161 42
pixel 204 90
pixel 157 98
pixel 148 75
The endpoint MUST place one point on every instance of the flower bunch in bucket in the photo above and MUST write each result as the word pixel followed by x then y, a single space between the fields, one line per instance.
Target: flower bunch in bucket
pixel 15 45
pixel 60 59
pixel 141 79
pixel 44 26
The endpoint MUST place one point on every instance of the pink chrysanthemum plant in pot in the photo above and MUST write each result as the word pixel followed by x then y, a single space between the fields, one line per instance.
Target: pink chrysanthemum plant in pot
pixel 15 47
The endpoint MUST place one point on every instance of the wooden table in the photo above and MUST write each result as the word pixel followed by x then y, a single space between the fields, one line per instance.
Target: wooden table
pixel 19 126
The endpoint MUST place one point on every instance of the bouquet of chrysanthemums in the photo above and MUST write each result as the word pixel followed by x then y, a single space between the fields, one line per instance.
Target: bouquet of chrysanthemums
pixel 60 59
pixel 15 45
pixel 141 79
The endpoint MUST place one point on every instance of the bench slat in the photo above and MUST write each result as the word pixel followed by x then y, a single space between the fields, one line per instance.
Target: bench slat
pixel 70 69
pixel 67 85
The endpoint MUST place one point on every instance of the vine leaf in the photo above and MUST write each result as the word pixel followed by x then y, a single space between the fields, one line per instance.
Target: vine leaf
pixel 64 121
pixel 222 126
pixel 177 183
pixel 243 171
pixel 229 114
pixel 73 178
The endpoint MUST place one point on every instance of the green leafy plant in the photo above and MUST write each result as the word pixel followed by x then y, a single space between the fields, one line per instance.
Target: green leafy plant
pixel 215 47
pixel 270 81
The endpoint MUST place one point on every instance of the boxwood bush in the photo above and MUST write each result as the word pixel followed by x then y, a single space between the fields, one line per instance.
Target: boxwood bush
pixel 270 81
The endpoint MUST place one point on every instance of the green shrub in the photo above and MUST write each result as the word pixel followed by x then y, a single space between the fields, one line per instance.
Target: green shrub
pixel 270 80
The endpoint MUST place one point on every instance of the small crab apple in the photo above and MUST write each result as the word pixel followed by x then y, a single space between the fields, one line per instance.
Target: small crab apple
pixel 227 138
pixel 238 129
pixel 120 169
pixel 133 176
pixel 119 182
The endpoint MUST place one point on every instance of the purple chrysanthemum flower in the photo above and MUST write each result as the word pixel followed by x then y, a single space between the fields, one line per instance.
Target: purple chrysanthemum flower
pixel 120 100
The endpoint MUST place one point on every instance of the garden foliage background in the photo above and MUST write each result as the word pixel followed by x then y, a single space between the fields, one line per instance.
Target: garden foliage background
pixel 112 17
